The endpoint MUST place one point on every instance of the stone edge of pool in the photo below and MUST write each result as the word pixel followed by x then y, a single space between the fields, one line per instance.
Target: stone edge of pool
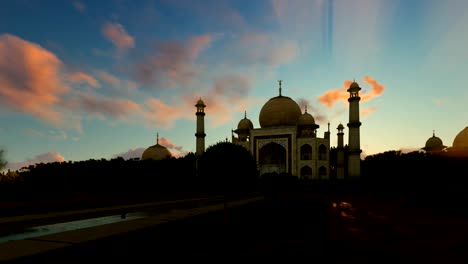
pixel 27 247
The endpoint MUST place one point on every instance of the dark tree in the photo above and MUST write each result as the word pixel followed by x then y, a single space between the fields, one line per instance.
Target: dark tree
pixel 228 166
pixel 3 162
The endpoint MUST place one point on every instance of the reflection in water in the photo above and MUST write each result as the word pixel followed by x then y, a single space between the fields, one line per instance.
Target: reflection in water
pixel 68 226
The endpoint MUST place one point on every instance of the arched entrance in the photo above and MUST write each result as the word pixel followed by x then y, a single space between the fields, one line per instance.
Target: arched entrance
pixel 306 172
pixel 306 152
pixel 272 158
pixel 322 152
pixel 322 172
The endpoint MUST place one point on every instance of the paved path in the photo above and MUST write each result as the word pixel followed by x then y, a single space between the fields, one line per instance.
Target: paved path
pixel 29 247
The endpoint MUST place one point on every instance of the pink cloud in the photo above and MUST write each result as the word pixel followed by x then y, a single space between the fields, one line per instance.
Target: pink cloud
pixel 30 79
pixel 102 106
pixel 47 157
pixel 172 61
pixel 80 77
pixel 168 144
pixel 117 34
pixel 131 153
pixel 159 113
pixel 110 79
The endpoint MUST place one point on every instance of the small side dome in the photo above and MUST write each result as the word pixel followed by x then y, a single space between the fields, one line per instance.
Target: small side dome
pixel 200 103
pixel 306 119
pixel 245 124
pixel 340 127
pixel 354 85
pixel 434 144
pixel 461 140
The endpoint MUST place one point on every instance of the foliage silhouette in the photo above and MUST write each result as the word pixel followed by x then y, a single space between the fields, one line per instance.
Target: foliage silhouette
pixel 3 162
pixel 228 166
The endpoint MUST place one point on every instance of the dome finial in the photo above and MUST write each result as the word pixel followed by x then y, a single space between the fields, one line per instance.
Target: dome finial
pixel 280 81
pixel 157 138
pixel 245 114
pixel 433 133
pixel 305 109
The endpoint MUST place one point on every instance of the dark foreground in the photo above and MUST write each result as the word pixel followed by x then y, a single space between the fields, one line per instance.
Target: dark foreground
pixel 292 227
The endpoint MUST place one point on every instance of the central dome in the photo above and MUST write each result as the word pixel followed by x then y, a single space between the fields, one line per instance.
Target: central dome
pixel 279 111
pixel 461 140
pixel 156 152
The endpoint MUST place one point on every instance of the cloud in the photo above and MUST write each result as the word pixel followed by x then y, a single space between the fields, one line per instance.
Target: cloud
pixel 80 77
pixel 79 5
pixel 101 106
pixel 178 151
pixel 331 97
pixel 172 61
pixel 110 79
pixel 30 79
pixel 368 110
pixel 376 89
pixel 253 48
pixel 168 144
pixel 55 135
pixel 159 113
pixel 318 115
pixel 47 157
pixel 131 153
pixel 405 150
pixel 117 34
pixel 440 102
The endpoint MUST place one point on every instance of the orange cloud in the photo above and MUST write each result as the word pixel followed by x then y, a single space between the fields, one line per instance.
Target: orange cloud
pixel 102 106
pixel 117 34
pixel 30 79
pixel 331 97
pixel 168 144
pixel 158 113
pixel 80 77
pixel 47 157
pixel 376 89
pixel 110 79
pixel 368 110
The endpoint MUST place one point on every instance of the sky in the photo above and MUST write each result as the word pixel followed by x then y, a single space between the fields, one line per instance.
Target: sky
pixel 86 80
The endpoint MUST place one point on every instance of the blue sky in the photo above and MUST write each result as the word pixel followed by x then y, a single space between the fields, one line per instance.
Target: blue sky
pixel 94 79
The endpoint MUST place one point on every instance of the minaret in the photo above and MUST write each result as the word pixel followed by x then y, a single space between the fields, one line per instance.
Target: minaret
pixel 327 133
pixel 340 154
pixel 354 156
pixel 200 135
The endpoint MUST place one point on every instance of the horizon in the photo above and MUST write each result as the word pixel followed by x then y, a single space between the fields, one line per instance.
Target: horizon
pixel 84 80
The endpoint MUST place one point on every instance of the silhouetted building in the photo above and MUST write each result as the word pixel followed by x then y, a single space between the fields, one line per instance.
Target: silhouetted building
pixel 156 152
pixel 354 157
pixel 200 134
pixel 287 140
pixel 434 145
pixel 460 144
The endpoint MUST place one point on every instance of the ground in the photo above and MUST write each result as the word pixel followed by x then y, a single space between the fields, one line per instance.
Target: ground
pixel 293 227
